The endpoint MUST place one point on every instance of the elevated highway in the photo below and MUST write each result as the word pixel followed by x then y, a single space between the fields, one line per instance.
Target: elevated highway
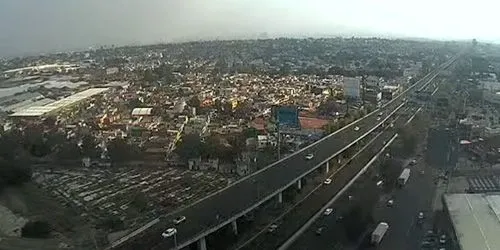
pixel 225 206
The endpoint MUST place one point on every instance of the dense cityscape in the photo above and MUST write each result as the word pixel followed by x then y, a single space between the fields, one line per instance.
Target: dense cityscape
pixel 316 143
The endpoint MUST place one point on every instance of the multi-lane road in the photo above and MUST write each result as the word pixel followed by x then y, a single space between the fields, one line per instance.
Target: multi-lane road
pixel 309 240
pixel 301 213
pixel 219 209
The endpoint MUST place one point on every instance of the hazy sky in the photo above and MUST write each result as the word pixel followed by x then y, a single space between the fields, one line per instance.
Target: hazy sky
pixel 28 26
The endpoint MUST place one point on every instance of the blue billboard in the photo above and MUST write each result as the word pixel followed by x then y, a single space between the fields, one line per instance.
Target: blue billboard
pixel 287 116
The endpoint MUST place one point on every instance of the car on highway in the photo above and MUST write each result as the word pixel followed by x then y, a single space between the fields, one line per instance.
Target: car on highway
pixel 328 211
pixel 430 234
pixel 426 244
pixel 169 232
pixel 309 156
pixel 272 228
pixel 319 230
pixel 442 239
pixel 390 203
pixel 179 220
pixel 356 128
pixel 327 181
pixel 420 215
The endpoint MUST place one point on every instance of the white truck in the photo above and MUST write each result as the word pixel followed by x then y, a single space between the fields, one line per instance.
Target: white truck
pixel 379 233
pixel 403 178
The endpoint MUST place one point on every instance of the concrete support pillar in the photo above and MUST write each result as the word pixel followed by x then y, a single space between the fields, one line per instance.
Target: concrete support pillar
pixel 280 197
pixel 235 227
pixel 327 167
pixel 299 184
pixel 202 244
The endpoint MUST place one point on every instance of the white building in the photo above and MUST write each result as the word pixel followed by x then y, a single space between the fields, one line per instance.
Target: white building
pixel 352 87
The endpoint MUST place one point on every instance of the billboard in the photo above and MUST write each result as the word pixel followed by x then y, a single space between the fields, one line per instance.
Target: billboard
pixel 352 87
pixel 287 116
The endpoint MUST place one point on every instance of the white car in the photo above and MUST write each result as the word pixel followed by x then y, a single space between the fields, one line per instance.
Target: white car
pixel 328 181
pixel 179 220
pixel 442 239
pixel 378 118
pixel 309 156
pixel 328 211
pixel 390 203
pixel 420 216
pixel 169 232
pixel 356 128
pixel 272 228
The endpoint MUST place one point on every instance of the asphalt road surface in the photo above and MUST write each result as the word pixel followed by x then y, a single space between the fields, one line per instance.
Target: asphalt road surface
pixel 300 214
pixel 416 196
pixel 202 216
pixel 214 211
pixel 327 240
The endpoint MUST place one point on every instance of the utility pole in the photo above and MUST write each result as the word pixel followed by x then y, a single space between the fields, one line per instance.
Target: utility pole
pixel 363 89
pixel 278 140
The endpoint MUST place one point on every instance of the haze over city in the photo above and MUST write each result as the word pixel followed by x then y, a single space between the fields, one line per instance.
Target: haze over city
pixel 238 124
pixel 31 26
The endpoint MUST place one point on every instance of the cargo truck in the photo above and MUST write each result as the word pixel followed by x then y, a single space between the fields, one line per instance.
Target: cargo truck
pixel 379 233
pixel 403 178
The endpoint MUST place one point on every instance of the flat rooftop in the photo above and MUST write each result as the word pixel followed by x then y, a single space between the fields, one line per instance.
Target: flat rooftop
pixel 476 220
pixel 36 111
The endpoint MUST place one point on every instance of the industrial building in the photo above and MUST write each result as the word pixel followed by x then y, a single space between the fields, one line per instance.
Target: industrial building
pixel 37 111
pixel 475 220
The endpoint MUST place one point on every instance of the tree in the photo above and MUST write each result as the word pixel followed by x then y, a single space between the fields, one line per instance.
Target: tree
pixel 88 146
pixel 390 169
pixel 134 103
pixel 149 76
pixel 194 102
pixel 250 132
pixel 190 146
pixel 112 223
pixel 13 172
pixel 36 229
pixel 121 151
pixel 140 201
pixel 69 151
pixel 328 108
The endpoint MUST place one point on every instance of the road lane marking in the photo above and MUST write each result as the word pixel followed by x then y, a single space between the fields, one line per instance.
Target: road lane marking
pixel 306 226
pixel 314 189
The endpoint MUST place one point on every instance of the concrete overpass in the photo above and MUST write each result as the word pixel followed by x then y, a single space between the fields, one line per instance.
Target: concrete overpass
pixel 225 206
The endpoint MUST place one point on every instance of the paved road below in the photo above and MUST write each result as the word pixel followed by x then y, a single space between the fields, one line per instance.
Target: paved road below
pixel 332 228
pixel 416 196
pixel 293 220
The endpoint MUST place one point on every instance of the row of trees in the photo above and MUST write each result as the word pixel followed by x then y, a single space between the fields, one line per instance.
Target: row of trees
pixel 214 147
pixel 15 168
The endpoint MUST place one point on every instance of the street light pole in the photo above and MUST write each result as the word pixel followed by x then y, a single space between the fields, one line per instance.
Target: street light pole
pixel 278 141
pixel 175 241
